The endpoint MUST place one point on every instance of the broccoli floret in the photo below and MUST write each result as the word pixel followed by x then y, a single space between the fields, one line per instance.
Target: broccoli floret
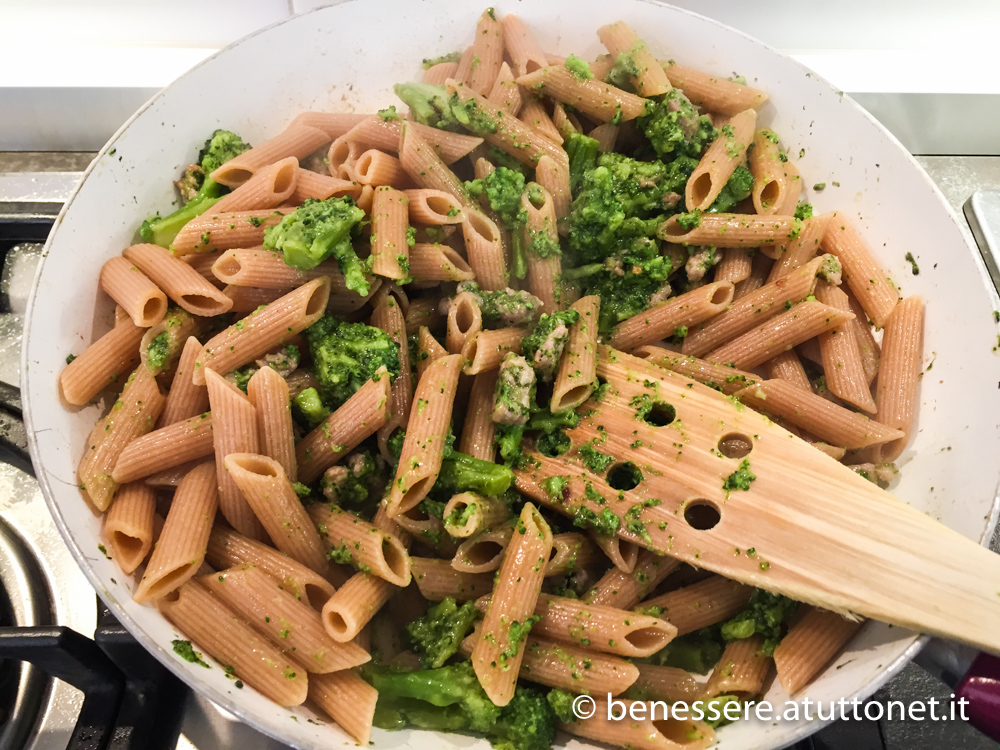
pixel 429 104
pixel 553 444
pixel 627 282
pixel 582 151
pixel 242 376
pixel 451 699
pixel 622 200
pixel 308 408
pixel 605 523
pixel 346 355
pixel 462 473
pixel 157 352
pixel 504 308
pixel 475 119
pixel 544 346
pixel 622 71
pixel 764 614
pixel 317 230
pixel 450 57
pixel 579 68
pixel 562 704
pixel 348 484
pixel 694 652
pixel 508 439
pixel 437 635
pixel 737 188
pixel 674 127
pixel 804 211
pixel 503 189
pixel 549 422
pixel 220 148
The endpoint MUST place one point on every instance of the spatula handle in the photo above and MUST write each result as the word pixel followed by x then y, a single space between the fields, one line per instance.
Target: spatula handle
pixel 981 688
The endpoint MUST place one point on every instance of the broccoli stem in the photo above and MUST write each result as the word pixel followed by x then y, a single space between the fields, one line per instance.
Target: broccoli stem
pixel 582 272
pixel 519 256
pixel 582 151
pixel 161 230
pixel 462 473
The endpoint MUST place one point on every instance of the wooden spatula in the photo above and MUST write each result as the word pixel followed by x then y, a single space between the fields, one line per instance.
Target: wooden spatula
pixel 805 525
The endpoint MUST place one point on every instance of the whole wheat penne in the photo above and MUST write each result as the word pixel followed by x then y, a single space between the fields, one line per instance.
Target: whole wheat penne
pixel 266 269
pixel 387 314
pixel 642 732
pixel 162 344
pixel 770 181
pixel 714 93
pixel 505 92
pixel 534 114
pixel 666 684
pixel 224 231
pixel 377 168
pixel 553 175
pixel 779 333
pixel 486 350
pixel 623 555
pixel 574 381
pixel 570 552
pixel 436 262
pixel 290 624
pixel 128 525
pixel 249 298
pixel 624 590
pixel 214 627
pixel 321 187
pixel 650 78
pixel 809 645
pixel 719 161
pixel 484 249
pixel 525 52
pixel 499 651
pixel 899 374
pixel 788 366
pixel 487 50
pixel 269 187
pixel 541 242
pixel 723 378
pixel 798 250
pixel 478 430
pixel 427 169
pixel 735 265
pixel 132 415
pixel 732 230
pixel 374 132
pixel 268 392
pixel 334 124
pixel 752 310
pixel 181 546
pixel 202 263
pixel 297 140
pixel 360 416
pixel 845 374
pixel 870 285
pixel 428 350
pixel 790 199
pixel 606 629
pixel 269 494
pixel 438 74
pixel 164 448
pixel 567 667
pixel 829 422
pixel 390 252
pixel 741 669
pixel 871 352
pixel 342 156
pixel 701 604
pixel 178 280
pixel 127 285
pixel 601 101
pixel 437 580
pixel 353 540
pixel 760 267
pixel 184 399
pixel 263 330
pixel 234 430
pixel 102 364
pixel 681 312
pixel 485 551
pixel 430 415
pixel 606 136
pixel 348 699
pixel 465 320
pixel 467 514
pixel 228 548
pixel 465 65
pixel 433 207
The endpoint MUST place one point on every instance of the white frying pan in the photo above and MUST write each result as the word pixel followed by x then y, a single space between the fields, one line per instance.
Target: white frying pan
pixel 347 57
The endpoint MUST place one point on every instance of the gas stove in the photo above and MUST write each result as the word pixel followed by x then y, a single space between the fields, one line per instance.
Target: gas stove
pixel 72 677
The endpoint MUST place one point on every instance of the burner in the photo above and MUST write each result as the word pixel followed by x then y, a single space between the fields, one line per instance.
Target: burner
pixel 23 603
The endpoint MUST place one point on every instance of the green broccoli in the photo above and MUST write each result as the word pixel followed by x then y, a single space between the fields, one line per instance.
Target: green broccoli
pixel 622 71
pixel 348 484
pixel 450 57
pixel 579 68
pixel 553 444
pixel 737 188
pixel 504 308
pixel 695 652
pixel 508 439
pixel 562 704
pixel 622 200
pixel 674 127
pixel 429 104
pixel 605 523
pixel 549 422
pixel 462 473
pixel 804 211
pixel 317 230
pixel 582 151
pixel 627 282
pixel 503 189
pixel 764 614
pixel 451 699
pixel 199 190
pixel 346 355
pixel 241 376
pixel 158 352
pixel 437 635
pixel 544 345
pixel 308 408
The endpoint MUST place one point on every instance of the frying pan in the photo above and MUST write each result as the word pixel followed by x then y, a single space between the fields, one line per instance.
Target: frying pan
pixel 346 57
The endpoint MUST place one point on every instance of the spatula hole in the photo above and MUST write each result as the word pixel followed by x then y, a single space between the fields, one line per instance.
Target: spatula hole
pixel 660 414
pixel 625 476
pixel 735 445
pixel 702 515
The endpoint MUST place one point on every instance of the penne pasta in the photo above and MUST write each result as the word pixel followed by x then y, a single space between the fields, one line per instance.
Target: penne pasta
pixel 390 252
pixel 600 101
pixel 162 344
pixel 269 394
pixel 732 230
pixel 624 590
pixel 479 429
pixel 433 207
pixel 701 604
pixel 143 300
pixel 487 53
pixel 298 140
pixel 467 514
pixel 428 350
pixel 899 373
pixel 436 262
pixel 645 733
pixel 541 242
pixel 269 187
pixel 649 79
pixel 486 349
pixel 719 161
pixel 673 317
pixel 741 670
pixel 870 285
pixel 102 364
pixel 165 448
pixel 845 374
pixel 438 580
pixel 128 525
pixel 223 231
pixel 715 94
pixel 811 642
pixel 348 699
pixel 350 539
pixel 574 381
